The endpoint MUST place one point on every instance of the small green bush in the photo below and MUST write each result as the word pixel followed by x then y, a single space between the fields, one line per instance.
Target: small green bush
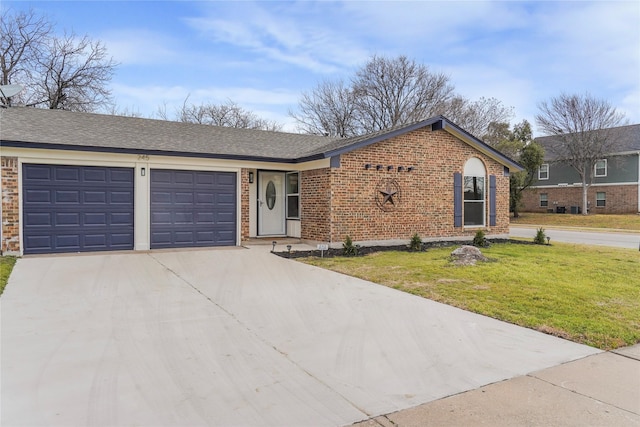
pixel 415 244
pixel 348 248
pixel 479 240
pixel 540 237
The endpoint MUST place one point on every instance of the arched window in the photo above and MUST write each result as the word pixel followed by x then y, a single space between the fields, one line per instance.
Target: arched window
pixel 474 190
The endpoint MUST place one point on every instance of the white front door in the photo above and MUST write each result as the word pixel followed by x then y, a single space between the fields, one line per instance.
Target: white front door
pixel 271 204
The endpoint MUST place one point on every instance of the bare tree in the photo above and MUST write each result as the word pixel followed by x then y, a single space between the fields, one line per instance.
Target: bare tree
pixel 74 74
pixel 23 38
pixel 228 114
pixel 329 109
pixel 387 92
pixel 477 116
pixel 581 127
pixel 393 91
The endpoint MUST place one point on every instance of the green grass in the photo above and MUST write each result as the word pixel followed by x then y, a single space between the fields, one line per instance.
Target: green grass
pixel 6 265
pixel 589 295
pixel 623 222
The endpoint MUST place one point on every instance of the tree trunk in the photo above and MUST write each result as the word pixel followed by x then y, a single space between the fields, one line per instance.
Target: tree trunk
pixel 585 203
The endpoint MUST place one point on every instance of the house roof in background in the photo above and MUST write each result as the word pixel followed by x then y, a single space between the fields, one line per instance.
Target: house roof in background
pixel 58 129
pixel 627 140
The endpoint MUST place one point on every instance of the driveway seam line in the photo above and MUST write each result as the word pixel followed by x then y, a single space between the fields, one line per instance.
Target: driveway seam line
pixel 261 339
pixel 581 394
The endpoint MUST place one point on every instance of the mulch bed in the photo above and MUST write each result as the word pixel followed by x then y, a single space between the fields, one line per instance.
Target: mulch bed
pixel 365 250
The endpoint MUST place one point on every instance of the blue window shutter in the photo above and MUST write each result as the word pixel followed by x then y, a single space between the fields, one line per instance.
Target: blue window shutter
pixel 457 199
pixel 492 200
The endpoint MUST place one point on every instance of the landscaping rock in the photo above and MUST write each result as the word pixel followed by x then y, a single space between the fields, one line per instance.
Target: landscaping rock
pixel 467 255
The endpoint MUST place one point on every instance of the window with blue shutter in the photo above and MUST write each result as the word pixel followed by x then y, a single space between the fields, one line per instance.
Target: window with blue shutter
pixel 457 199
pixel 492 200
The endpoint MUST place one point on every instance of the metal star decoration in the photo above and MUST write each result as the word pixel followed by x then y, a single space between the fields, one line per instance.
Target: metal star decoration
pixel 388 194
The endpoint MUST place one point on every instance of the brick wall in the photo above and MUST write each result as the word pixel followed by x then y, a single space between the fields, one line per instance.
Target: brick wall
pixel 425 204
pixel 244 204
pixel 315 204
pixel 620 199
pixel 10 205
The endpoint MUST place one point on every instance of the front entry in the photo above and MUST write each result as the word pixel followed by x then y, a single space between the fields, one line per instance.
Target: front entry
pixel 271 203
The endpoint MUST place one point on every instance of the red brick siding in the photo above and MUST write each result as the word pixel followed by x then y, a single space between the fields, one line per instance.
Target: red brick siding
pixel 315 204
pixel 620 199
pixel 426 205
pixel 244 204
pixel 10 205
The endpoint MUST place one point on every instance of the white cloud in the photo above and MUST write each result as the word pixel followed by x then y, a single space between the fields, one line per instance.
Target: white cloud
pixel 285 33
pixel 271 104
pixel 139 46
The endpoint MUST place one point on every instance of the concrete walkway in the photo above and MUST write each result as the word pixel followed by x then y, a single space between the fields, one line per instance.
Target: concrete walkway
pixel 238 337
pixel 599 390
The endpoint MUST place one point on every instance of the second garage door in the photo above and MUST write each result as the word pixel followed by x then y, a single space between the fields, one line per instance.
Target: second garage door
pixel 193 208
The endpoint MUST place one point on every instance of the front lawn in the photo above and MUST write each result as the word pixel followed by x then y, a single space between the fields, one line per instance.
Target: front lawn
pixel 589 295
pixel 6 265
pixel 622 222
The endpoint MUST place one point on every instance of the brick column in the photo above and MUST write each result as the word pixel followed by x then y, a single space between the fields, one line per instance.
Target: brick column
pixel 10 206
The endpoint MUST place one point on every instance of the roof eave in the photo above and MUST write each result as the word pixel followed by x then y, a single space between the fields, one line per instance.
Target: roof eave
pixel 381 137
pixel 459 133
pixel 139 151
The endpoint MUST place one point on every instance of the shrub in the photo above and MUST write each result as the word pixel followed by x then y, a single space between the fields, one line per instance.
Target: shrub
pixel 540 237
pixel 415 244
pixel 479 240
pixel 348 248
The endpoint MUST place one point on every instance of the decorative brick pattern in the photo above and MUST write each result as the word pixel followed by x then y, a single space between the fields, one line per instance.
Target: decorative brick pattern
pixel 348 196
pixel 620 199
pixel 10 206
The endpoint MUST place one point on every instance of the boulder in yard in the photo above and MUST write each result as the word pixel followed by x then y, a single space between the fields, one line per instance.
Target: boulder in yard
pixel 467 255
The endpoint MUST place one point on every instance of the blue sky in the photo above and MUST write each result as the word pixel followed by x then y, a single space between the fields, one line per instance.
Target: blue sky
pixel 263 55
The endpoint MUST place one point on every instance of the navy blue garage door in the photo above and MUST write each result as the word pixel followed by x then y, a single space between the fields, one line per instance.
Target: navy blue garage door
pixel 76 208
pixel 192 208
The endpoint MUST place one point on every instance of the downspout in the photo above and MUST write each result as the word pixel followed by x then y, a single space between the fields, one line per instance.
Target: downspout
pixel 638 182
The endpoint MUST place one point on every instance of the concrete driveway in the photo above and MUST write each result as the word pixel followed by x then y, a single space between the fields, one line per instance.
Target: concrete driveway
pixel 237 337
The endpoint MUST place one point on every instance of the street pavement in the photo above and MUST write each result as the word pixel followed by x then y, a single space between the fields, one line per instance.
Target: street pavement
pixel 619 239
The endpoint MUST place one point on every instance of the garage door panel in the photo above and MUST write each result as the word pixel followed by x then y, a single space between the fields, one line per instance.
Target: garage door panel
pixel 76 208
pixel 96 219
pixel 208 199
pixel 95 175
pixel 67 196
pixel 120 197
pixel 121 219
pixel 37 196
pixel 68 241
pixel 95 240
pixel 185 209
pixel 123 177
pixel 67 174
pixel 183 198
pixel 37 173
pixel 68 219
pixel 98 197
pixel 183 178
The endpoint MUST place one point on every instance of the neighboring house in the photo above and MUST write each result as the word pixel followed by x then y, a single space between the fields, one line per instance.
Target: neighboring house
pixel 74 182
pixel 616 182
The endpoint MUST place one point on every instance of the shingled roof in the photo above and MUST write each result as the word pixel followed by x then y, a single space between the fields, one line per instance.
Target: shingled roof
pixel 58 129
pixel 626 139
